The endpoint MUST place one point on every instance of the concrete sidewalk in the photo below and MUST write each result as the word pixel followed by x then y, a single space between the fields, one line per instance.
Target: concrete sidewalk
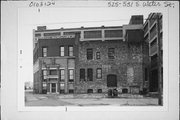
pixel 88 100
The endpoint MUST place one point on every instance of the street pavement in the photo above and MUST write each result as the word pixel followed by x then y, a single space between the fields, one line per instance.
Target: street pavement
pixel 69 100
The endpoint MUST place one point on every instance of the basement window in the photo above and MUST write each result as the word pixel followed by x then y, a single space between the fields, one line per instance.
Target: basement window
pixel 99 90
pixel 90 91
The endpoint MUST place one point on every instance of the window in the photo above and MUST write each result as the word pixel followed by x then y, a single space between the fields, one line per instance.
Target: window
pixel 90 54
pixel 82 74
pixel 71 75
pixel 89 74
pixel 62 91
pixel 37 35
pixel 44 74
pixel 52 34
pixel 71 91
pixel 62 75
pixel 61 50
pixel 53 72
pixel 90 91
pixel 70 50
pixel 113 33
pixel 44 51
pixel 92 34
pixel 99 90
pixel 124 90
pixel 62 88
pixel 98 55
pixel 44 86
pixel 98 73
pixel 154 42
pixel 111 53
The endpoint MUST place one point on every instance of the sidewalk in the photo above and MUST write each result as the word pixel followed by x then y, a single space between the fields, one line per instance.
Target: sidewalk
pixel 88 100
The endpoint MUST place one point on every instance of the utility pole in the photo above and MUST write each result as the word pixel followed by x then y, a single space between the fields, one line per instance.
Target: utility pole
pixel 159 64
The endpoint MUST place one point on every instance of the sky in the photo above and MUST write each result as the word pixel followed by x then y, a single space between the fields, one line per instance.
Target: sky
pixel 55 18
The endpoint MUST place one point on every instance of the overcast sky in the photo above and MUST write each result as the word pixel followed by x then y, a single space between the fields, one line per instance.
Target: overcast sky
pixel 54 18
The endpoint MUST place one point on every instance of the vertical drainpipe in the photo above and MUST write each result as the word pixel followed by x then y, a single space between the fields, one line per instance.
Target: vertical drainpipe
pixel 40 77
pixel 66 80
pixel 58 79
pixel 48 80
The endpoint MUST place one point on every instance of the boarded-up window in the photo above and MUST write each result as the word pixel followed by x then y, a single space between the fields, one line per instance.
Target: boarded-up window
pixel 130 74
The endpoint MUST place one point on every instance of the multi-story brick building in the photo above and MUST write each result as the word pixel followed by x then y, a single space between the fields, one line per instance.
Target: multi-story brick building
pixel 153 37
pixel 90 60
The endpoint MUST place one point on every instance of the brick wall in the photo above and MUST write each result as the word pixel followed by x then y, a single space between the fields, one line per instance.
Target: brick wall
pixel 126 55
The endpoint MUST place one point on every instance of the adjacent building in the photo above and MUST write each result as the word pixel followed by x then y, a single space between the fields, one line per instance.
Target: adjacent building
pixel 92 59
pixel 153 33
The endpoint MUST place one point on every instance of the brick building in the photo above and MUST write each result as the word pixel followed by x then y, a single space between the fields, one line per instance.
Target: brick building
pixel 90 60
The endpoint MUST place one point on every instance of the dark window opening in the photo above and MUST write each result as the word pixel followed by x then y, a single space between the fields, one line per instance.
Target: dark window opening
pixel 53 72
pixel 37 35
pixel 111 53
pixel 154 42
pixel 153 84
pixel 154 58
pixel 82 74
pixel 90 54
pixel 90 91
pixel 71 91
pixel 124 90
pixel 99 90
pixel 89 74
pixel 62 91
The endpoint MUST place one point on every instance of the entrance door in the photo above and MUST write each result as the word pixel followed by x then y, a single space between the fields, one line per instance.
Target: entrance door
pixel 53 87
pixel 111 80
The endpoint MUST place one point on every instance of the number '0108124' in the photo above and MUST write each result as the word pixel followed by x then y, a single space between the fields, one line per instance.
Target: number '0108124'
pixel 41 4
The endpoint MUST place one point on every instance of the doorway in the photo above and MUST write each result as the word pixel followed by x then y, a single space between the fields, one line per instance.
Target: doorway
pixel 111 80
pixel 53 87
